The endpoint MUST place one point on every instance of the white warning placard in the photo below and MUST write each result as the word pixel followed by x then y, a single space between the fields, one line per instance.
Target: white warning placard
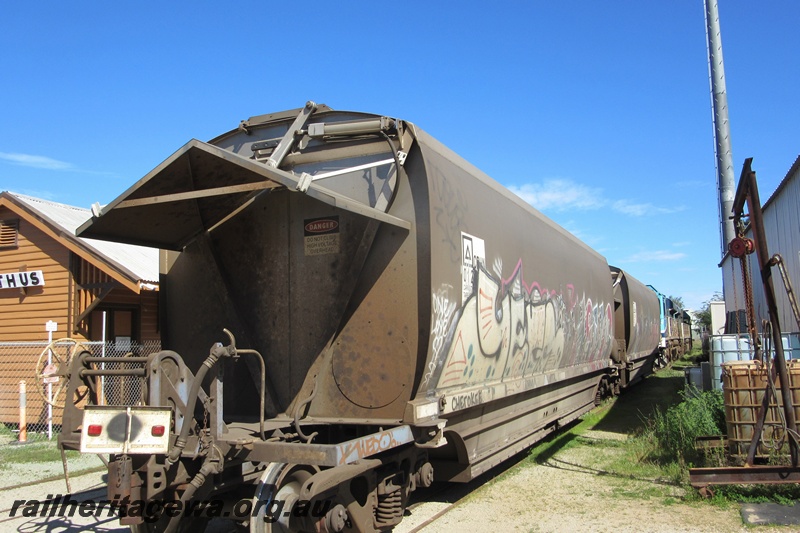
pixel 473 251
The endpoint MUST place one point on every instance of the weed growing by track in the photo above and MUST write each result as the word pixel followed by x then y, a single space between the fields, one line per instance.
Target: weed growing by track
pixel 672 433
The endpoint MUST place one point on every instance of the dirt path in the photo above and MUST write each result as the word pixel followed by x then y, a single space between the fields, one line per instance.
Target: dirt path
pixel 564 494
pixel 575 485
pixel 568 492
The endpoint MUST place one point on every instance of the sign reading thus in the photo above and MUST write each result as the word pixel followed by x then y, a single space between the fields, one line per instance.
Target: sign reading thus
pixel 321 235
pixel 22 280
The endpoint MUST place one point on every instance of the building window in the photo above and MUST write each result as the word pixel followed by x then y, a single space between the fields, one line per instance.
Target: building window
pixel 9 233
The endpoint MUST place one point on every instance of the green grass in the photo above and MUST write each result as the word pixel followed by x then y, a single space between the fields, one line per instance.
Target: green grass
pixel 673 431
pixel 36 452
pixel 781 494
pixel 37 462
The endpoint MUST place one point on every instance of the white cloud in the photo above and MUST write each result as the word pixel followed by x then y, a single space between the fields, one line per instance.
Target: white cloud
pixel 559 195
pixel 639 210
pixel 35 161
pixel 627 208
pixel 565 195
pixel 655 255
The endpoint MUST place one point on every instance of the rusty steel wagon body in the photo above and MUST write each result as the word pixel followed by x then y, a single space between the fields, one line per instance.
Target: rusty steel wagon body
pixel 389 315
pixel 637 331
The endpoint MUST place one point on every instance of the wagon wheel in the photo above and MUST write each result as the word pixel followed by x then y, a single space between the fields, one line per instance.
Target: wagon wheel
pixel 280 482
pixel 56 373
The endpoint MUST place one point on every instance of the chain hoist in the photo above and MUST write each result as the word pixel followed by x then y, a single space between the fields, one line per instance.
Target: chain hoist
pixel 735 297
pixel 741 247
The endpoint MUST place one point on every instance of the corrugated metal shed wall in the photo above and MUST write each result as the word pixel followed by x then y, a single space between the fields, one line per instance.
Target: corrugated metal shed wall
pixel 782 227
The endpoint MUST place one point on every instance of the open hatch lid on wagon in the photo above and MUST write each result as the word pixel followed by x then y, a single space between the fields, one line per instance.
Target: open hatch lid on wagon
pixel 201 186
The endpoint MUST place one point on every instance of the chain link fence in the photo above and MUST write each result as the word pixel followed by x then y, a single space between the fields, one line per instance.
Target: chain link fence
pixel 30 378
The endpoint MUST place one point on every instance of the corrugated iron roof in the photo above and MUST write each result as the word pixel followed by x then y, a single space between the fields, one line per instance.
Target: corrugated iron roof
pixel 139 262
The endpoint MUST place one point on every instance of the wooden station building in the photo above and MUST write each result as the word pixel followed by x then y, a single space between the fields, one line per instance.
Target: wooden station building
pixel 47 274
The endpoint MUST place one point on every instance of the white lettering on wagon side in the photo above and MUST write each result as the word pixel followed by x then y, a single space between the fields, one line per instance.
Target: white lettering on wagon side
pixel 471 399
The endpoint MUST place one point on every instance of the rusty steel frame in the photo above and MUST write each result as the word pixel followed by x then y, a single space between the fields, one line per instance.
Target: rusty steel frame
pixel 736 475
pixel 747 192
pixel 701 478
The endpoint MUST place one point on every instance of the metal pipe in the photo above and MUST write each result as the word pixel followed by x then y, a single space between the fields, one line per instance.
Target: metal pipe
pixel 263 388
pixel 300 407
pixel 101 397
pixel 49 385
pixel 287 142
pixel 209 467
pixel 180 443
pixel 350 128
pixel 23 412
pixel 133 359
pixel 722 131
pixel 141 372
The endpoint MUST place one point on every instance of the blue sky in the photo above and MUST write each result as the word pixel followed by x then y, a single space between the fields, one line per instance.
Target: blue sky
pixel 596 112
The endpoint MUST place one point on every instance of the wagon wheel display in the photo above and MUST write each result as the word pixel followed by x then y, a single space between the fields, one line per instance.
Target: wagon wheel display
pixel 52 372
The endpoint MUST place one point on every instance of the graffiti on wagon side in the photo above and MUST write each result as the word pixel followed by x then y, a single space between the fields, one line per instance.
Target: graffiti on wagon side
pixel 509 328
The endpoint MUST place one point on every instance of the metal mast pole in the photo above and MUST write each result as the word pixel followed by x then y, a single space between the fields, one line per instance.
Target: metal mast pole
pixel 722 133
